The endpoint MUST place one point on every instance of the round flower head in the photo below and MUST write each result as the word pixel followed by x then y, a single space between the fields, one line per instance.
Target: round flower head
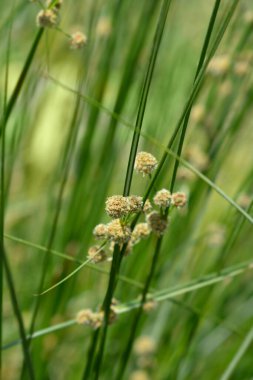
pixel 78 40
pixel 141 231
pixel 147 207
pixel 88 317
pixel 116 206
pixel 117 232
pixel 96 254
pixel 157 223
pixel 134 203
pixel 179 199
pixel 46 18
pixel 101 231
pixel 145 163
pixel 162 198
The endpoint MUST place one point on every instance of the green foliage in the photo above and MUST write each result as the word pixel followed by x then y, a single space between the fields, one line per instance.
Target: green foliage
pixel 172 78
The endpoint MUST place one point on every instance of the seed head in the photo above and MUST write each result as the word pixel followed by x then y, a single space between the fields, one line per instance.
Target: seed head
pixel 90 318
pixel 117 232
pixel 78 40
pixel 157 223
pixel 179 199
pixel 96 254
pixel 141 231
pixel 101 231
pixel 147 208
pixel 116 206
pixel 162 198
pixel 46 18
pixel 134 203
pixel 145 163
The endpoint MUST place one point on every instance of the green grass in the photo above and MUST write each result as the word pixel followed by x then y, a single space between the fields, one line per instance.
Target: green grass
pixel 72 122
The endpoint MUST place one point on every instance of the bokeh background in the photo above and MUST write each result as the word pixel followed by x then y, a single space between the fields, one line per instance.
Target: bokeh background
pixel 65 154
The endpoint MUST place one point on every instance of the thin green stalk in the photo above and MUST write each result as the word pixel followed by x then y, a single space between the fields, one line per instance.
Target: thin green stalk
pixel 194 92
pixel 239 354
pixel 133 329
pixel 167 151
pixel 107 308
pixel 21 80
pixel 16 308
pixel 162 295
pixel 2 187
pixel 200 64
pixel 144 94
pixel 128 180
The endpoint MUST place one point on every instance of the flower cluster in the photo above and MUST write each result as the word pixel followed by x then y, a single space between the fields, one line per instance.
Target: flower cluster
pixel 49 17
pixel 95 319
pixel 121 209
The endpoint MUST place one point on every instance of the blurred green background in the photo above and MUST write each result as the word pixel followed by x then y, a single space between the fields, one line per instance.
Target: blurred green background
pixel 65 156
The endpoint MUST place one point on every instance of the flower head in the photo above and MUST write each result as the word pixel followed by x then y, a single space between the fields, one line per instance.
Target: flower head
pixel 117 206
pixel 179 199
pixel 147 207
pixel 46 18
pixel 157 223
pixel 117 232
pixel 96 254
pixel 162 198
pixel 141 231
pixel 101 231
pixel 78 40
pixel 134 203
pixel 90 318
pixel 145 163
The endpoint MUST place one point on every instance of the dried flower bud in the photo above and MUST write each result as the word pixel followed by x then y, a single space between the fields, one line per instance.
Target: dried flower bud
pixel 162 198
pixel 78 40
pixel 141 231
pixel 179 199
pixel 101 231
pixel 147 208
pixel 145 163
pixel 116 206
pixel 117 232
pixel 96 254
pixel 90 318
pixel 134 203
pixel 157 223
pixel 46 18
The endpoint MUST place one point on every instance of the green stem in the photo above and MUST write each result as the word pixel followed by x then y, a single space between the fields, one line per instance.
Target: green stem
pixel 21 80
pixel 134 326
pixel 25 345
pixel 200 64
